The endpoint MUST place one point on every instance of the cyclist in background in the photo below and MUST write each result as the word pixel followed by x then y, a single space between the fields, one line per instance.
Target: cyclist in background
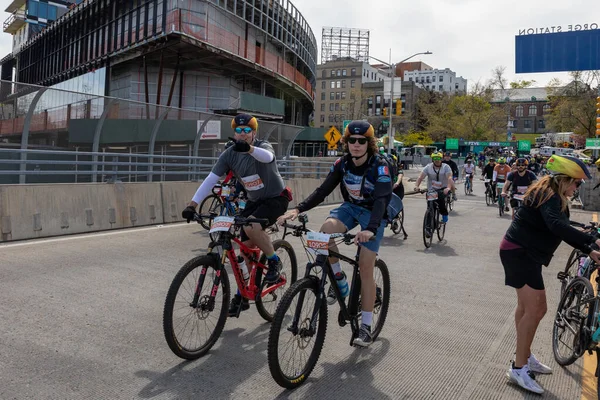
pixel 253 164
pixel 519 182
pixel 501 171
pixel 439 178
pixel 469 171
pixel 448 160
pixel 488 173
pixel 366 185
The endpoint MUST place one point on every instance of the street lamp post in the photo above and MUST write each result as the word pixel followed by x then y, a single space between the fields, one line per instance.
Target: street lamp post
pixel 393 69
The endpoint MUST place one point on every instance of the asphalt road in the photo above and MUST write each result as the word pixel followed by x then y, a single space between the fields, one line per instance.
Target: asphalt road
pixel 82 318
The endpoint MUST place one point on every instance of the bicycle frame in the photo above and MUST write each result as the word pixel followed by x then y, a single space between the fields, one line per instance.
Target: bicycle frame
pixel 349 313
pixel 253 289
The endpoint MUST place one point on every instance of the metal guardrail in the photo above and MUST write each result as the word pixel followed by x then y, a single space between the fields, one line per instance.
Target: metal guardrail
pixel 85 167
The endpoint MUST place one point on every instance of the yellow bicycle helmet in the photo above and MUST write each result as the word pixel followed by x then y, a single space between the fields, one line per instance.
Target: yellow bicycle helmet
pixel 570 166
pixel 436 156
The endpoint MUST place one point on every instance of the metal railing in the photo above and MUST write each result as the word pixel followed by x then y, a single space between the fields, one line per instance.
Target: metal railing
pixel 56 166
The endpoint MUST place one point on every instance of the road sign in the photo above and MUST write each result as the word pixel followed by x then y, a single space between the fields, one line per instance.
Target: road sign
pixel 346 123
pixel 524 145
pixel 451 144
pixel 332 136
pixel 386 123
pixel 593 144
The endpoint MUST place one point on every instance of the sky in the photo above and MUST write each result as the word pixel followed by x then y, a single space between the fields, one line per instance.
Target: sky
pixel 471 37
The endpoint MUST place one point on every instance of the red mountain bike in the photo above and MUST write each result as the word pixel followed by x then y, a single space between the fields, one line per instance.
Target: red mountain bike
pixel 197 302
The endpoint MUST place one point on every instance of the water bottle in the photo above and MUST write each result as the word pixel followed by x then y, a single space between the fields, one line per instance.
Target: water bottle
pixel 244 269
pixel 342 283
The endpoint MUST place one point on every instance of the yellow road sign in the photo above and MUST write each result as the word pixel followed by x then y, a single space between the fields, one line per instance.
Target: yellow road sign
pixel 332 136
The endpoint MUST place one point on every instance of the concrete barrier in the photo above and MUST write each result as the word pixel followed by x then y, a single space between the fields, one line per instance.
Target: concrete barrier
pixel 33 211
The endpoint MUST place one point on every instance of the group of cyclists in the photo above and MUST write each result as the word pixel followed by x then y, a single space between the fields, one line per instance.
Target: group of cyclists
pixel 368 178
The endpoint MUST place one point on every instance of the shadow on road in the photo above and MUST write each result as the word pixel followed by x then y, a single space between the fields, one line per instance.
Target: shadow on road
pixel 214 375
pixel 440 249
pixel 347 379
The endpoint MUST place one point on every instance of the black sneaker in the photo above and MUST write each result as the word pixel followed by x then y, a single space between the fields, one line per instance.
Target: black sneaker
pixel 238 303
pixel 506 209
pixel 364 338
pixel 275 267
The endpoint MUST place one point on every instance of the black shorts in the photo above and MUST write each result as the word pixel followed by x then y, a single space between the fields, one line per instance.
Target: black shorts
pixel 270 209
pixel 399 191
pixel 521 270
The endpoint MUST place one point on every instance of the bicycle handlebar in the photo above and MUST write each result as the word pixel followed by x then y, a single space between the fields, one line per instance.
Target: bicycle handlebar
pixel 237 220
pixel 301 229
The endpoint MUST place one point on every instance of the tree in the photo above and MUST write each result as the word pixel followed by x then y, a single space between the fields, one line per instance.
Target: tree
pixel 574 105
pixel 522 84
pixel 412 138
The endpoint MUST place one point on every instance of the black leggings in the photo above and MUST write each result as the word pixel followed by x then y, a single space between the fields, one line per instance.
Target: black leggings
pixel 399 191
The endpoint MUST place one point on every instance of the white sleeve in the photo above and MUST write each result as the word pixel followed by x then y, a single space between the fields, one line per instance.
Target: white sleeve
pixel 262 155
pixel 494 176
pixel 205 188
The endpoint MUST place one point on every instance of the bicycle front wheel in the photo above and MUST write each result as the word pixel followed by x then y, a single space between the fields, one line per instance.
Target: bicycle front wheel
pixel 381 275
pixel 467 186
pixel 488 198
pixel 267 305
pixel 192 319
pixel 441 227
pixel 208 206
pixel 500 205
pixel 294 349
pixel 569 320
pixel 428 227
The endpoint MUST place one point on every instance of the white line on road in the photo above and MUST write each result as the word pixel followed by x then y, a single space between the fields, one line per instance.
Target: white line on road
pixel 123 231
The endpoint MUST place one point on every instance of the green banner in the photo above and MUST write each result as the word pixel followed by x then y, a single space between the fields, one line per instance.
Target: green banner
pixel 493 144
pixel 451 144
pixel 524 145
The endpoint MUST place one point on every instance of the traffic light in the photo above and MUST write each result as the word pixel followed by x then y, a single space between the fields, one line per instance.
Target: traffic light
pixel 598 116
pixel 385 111
pixel 398 107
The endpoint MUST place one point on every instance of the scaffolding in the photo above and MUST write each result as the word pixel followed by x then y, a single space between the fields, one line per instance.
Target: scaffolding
pixel 344 42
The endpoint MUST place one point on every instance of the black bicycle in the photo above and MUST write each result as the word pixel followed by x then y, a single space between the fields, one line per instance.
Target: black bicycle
pixel 490 197
pixel 433 219
pixel 576 258
pixel 300 323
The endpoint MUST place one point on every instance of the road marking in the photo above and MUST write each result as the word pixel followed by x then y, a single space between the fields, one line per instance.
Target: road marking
pixel 76 236
pixel 589 383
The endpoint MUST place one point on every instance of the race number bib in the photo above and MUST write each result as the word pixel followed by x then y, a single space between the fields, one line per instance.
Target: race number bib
pixel 221 224
pixel 432 196
pixel 486 181
pixel 317 243
pixel 521 189
pixel 518 197
pixel 436 184
pixel 253 182
pixel 354 190
pixel 225 191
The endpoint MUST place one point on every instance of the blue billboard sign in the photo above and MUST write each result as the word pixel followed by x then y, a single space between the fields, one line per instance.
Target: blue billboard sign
pixel 555 52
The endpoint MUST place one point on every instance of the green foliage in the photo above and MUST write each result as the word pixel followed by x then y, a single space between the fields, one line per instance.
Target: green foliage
pixel 412 138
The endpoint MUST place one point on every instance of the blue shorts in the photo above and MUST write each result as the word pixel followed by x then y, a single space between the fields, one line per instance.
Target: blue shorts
pixel 352 215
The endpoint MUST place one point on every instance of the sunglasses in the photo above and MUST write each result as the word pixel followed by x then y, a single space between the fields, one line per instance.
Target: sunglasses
pixel 361 140
pixel 245 130
pixel 578 183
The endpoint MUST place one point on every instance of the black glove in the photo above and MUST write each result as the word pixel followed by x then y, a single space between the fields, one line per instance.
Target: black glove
pixel 188 213
pixel 241 146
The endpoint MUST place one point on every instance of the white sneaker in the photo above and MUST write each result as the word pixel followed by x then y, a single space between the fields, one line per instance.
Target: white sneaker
pixel 536 366
pixel 524 378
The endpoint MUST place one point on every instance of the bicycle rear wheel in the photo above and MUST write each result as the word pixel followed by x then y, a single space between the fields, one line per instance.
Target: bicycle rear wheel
pixel 570 318
pixel 441 227
pixel 192 324
pixel 570 269
pixel 293 351
pixel 267 305
pixel 209 205
pixel 428 227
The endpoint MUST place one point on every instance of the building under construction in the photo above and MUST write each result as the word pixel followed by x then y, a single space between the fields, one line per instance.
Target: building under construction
pixel 222 56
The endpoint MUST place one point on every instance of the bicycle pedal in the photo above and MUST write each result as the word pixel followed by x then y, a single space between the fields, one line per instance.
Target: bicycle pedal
pixel 562 275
